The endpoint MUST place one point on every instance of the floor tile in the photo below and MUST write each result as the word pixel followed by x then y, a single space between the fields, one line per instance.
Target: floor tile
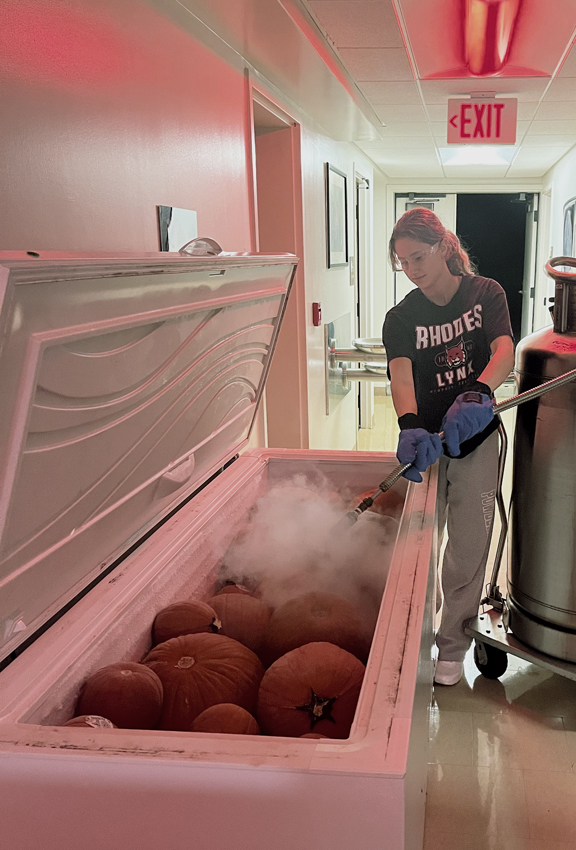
pixel 551 799
pixel 475 801
pixel 524 688
pixel 548 694
pixel 571 746
pixel 521 741
pixel 500 841
pixel 477 694
pixel 451 737
pixel 551 845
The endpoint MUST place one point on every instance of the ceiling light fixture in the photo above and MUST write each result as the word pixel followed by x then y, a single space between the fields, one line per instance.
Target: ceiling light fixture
pixel 477 155
pixel 489 28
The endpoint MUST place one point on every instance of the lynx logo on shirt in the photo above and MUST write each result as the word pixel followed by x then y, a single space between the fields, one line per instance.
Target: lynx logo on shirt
pixel 454 355
pixel 457 358
pixel 433 335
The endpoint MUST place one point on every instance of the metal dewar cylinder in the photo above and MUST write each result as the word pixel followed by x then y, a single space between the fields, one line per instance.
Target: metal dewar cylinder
pixel 542 578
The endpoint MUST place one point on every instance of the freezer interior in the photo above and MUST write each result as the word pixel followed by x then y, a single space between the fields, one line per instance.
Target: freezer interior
pixel 113 623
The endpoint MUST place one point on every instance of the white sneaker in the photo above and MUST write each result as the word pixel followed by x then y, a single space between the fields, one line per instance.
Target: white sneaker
pixel 448 672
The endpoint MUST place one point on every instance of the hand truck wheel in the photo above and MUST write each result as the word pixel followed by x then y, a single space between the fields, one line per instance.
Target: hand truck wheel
pixel 491 662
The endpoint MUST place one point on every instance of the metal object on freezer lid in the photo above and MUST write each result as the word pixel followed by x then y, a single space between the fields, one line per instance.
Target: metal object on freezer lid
pixel 126 382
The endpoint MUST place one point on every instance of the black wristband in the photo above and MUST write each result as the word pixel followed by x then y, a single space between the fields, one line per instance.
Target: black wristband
pixel 479 387
pixel 409 420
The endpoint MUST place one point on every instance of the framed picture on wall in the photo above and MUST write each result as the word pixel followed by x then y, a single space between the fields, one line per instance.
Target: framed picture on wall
pixel 336 218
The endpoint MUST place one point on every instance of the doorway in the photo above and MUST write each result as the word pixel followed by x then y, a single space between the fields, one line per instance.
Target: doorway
pixel 278 229
pixel 498 231
pixel 362 279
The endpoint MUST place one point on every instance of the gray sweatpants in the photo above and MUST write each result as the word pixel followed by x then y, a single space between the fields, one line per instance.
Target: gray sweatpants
pixel 466 497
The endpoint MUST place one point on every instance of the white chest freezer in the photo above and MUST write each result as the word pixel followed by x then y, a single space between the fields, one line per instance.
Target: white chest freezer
pixel 128 388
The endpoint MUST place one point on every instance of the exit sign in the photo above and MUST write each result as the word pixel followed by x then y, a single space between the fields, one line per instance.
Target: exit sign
pixel 482 122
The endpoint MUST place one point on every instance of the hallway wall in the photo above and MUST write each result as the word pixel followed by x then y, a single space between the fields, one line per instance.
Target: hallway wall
pixel 331 287
pixel 107 112
pixel 111 109
pixel 562 181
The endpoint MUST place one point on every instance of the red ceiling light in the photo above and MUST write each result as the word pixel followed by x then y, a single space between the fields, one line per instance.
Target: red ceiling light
pixel 488 32
pixel 457 39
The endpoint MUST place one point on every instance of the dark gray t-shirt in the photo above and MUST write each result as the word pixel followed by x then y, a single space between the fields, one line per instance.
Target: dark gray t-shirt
pixel 449 346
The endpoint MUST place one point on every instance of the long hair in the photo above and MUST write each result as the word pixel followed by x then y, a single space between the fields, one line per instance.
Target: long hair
pixel 423 225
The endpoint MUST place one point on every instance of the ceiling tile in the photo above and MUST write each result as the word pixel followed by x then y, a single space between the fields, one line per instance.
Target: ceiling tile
pixel 358 23
pixel 552 110
pixel 475 172
pixel 553 128
pixel 546 157
pixel 522 128
pixel 527 110
pixel 532 140
pixel 521 172
pixel 391 113
pixel 562 89
pixel 568 69
pixel 437 112
pixel 374 64
pixel 413 172
pixel 405 129
pixel 440 129
pixel 418 159
pixel 403 94
pixel 398 143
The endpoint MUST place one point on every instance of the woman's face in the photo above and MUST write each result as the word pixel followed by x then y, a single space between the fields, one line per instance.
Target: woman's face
pixel 425 265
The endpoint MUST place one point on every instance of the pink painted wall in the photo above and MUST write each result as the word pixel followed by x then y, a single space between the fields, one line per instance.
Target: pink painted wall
pixel 108 109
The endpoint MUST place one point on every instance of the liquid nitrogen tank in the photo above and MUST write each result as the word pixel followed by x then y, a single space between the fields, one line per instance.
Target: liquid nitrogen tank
pixel 542 580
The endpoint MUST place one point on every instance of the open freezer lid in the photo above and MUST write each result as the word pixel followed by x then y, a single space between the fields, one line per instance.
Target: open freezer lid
pixel 125 382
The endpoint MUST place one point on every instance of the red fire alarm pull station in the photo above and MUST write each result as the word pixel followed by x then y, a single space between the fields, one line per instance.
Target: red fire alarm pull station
pixel 482 122
pixel 316 314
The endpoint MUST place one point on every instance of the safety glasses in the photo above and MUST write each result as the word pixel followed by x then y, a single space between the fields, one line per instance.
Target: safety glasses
pixel 418 258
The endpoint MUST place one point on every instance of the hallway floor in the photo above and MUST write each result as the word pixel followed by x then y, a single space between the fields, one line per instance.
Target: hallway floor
pixel 502 759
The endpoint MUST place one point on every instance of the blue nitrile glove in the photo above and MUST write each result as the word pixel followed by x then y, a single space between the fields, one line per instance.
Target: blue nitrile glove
pixel 417 446
pixel 468 415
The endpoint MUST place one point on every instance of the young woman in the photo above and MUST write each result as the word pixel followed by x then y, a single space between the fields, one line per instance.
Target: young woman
pixel 449 345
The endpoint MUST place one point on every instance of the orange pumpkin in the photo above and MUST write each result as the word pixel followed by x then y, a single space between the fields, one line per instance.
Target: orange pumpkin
pixel 244 618
pixel 315 617
pixel 312 735
pixel 227 718
pixel 128 694
pixel 184 618
pixel 201 670
pixel 234 588
pixel 313 688
pixel 91 721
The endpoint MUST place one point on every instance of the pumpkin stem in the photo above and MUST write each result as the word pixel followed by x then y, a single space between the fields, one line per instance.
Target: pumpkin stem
pixel 319 708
